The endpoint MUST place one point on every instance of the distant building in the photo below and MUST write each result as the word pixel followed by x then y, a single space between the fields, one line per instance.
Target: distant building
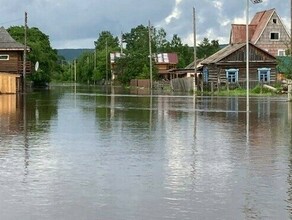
pixel 266 30
pixel 113 58
pixel 165 64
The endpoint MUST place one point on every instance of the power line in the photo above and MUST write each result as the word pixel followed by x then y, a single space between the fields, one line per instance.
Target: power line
pixel 19 19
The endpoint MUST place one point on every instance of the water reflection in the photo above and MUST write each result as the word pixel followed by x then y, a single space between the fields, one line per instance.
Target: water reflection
pixel 81 152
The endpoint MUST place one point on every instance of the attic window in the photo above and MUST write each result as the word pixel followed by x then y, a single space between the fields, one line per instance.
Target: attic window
pixel 275 20
pixel 4 57
pixel 275 36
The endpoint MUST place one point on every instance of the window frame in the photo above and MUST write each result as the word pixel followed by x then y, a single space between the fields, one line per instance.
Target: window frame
pixel 267 73
pixel 4 55
pixel 282 50
pixel 278 33
pixel 205 74
pixel 231 79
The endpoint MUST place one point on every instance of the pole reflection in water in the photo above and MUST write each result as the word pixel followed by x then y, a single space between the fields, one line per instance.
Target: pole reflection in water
pixel 289 178
pixel 25 133
pixel 150 110
pixel 112 102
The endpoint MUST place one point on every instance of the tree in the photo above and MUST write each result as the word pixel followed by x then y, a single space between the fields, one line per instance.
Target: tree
pixel 160 40
pixel 136 58
pixel 207 48
pixel 41 51
pixel 285 66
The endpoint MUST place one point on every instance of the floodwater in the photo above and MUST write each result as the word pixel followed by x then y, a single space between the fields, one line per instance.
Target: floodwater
pixel 91 153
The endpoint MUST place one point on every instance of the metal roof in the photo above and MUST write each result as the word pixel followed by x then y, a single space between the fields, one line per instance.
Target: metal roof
pixel 166 58
pixel 256 28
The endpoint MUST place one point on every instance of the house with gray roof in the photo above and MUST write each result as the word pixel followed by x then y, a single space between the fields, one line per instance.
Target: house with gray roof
pixel 11 63
pixel 228 66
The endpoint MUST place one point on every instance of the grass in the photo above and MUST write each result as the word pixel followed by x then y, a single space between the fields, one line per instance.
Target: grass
pixel 257 91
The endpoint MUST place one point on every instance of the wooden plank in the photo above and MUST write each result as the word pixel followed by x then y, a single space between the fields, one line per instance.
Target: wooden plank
pixel 7 104
pixel 8 83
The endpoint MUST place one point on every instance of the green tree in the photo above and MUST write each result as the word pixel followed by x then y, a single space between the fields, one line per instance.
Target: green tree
pixel 207 48
pixel 41 51
pixel 160 40
pixel 90 70
pixel 285 66
pixel 136 58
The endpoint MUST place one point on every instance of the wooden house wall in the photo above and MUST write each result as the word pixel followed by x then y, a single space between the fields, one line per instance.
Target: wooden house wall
pixel 7 104
pixel 218 74
pixel 272 46
pixel 9 83
pixel 11 65
pixel 237 60
pixel 163 67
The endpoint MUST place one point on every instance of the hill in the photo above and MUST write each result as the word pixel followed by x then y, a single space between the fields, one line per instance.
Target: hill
pixel 71 54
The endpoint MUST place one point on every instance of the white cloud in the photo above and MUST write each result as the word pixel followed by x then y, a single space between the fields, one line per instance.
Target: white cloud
pixel 76 24
pixel 175 14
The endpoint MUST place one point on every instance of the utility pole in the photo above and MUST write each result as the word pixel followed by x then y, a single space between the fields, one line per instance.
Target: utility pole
pixel 195 51
pixel 122 42
pixel 75 71
pixel 289 80
pixel 106 62
pixel 150 53
pixel 24 52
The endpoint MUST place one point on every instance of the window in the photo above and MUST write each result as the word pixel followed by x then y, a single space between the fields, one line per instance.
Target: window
pixel 264 74
pixel 281 52
pixel 4 57
pixel 205 74
pixel 232 75
pixel 275 36
pixel 275 20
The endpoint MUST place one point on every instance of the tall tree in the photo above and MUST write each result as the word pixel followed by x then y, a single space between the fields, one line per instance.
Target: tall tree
pixel 207 48
pixel 41 51
pixel 136 59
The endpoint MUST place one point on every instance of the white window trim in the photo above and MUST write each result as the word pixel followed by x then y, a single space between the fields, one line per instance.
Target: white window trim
pixel 4 55
pixel 268 70
pixel 281 50
pixel 274 32
pixel 227 71
pixel 205 74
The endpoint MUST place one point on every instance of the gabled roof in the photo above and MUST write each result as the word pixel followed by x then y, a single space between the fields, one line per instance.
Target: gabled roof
pixel 256 27
pixel 261 20
pixel 238 33
pixel 226 51
pixel 221 54
pixel 7 42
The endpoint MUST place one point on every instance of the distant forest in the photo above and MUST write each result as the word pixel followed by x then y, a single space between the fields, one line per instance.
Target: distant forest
pixel 72 54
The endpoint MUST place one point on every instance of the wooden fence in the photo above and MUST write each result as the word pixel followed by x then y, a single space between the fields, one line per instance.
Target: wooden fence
pixel 182 84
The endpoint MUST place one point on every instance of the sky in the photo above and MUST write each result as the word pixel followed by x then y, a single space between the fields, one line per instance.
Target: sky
pixel 78 23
